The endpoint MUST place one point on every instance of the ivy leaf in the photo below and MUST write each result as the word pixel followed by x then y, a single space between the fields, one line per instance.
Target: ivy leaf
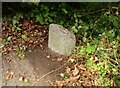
pixel 118 60
pixel 74 29
pixel 95 41
pixel 79 27
pixel 76 24
pixel 84 39
pixel 82 50
pixel 79 16
pixel 85 28
pixel 65 11
pixel 14 22
pixel 17 49
pixel 19 25
pixel 117 80
pixel 41 22
pixel 75 16
pixel 39 19
pixel 109 34
pixel 4 41
pixel 46 15
pixel 61 22
pixel 50 19
pixel 90 49
pixel 46 8
pixel 53 14
pixel 9 38
pixel 19 28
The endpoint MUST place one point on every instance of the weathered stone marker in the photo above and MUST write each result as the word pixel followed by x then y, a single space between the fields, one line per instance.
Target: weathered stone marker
pixel 61 40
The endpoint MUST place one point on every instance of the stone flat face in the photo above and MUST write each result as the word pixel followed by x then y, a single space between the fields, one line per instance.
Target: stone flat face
pixel 61 40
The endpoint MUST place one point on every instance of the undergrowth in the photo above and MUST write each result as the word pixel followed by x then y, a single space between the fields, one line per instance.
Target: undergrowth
pixel 96 27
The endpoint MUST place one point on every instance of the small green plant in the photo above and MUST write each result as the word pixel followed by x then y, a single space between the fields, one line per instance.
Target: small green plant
pixel 116 78
pixel 89 62
pixel 21 56
pixel 90 49
pixel 65 78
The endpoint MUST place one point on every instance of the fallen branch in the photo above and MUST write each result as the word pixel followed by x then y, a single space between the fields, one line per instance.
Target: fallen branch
pixel 49 73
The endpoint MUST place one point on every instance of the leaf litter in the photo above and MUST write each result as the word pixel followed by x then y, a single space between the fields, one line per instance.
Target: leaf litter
pixel 29 37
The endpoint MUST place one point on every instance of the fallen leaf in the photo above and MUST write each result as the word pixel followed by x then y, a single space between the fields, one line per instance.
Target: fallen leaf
pixel 59 83
pixel 59 59
pixel 8 75
pixel 68 70
pixel 71 79
pixel 8 61
pixel 76 77
pixel 71 60
pixel 62 75
pixel 48 56
pixel 75 71
pixel 82 67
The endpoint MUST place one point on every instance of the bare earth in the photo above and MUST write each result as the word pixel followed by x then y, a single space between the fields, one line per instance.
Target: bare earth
pixel 37 69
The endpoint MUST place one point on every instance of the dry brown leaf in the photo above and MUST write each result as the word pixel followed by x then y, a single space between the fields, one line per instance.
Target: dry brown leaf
pixel 59 83
pixel 76 77
pixel 48 56
pixel 72 79
pixel 82 67
pixel 8 60
pixel 75 71
pixel 8 75
pixel 59 59
pixel 68 70
pixel 71 60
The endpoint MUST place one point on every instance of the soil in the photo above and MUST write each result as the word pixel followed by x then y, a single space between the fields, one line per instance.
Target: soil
pixel 34 70
pixel 40 67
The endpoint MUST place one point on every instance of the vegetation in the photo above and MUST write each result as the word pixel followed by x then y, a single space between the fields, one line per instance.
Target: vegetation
pixel 96 26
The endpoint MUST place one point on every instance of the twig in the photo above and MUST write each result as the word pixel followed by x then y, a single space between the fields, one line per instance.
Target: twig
pixel 115 56
pixel 115 7
pixel 51 83
pixel 49 73
pixel 94 12
pixel 112 60
pixel 108 49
